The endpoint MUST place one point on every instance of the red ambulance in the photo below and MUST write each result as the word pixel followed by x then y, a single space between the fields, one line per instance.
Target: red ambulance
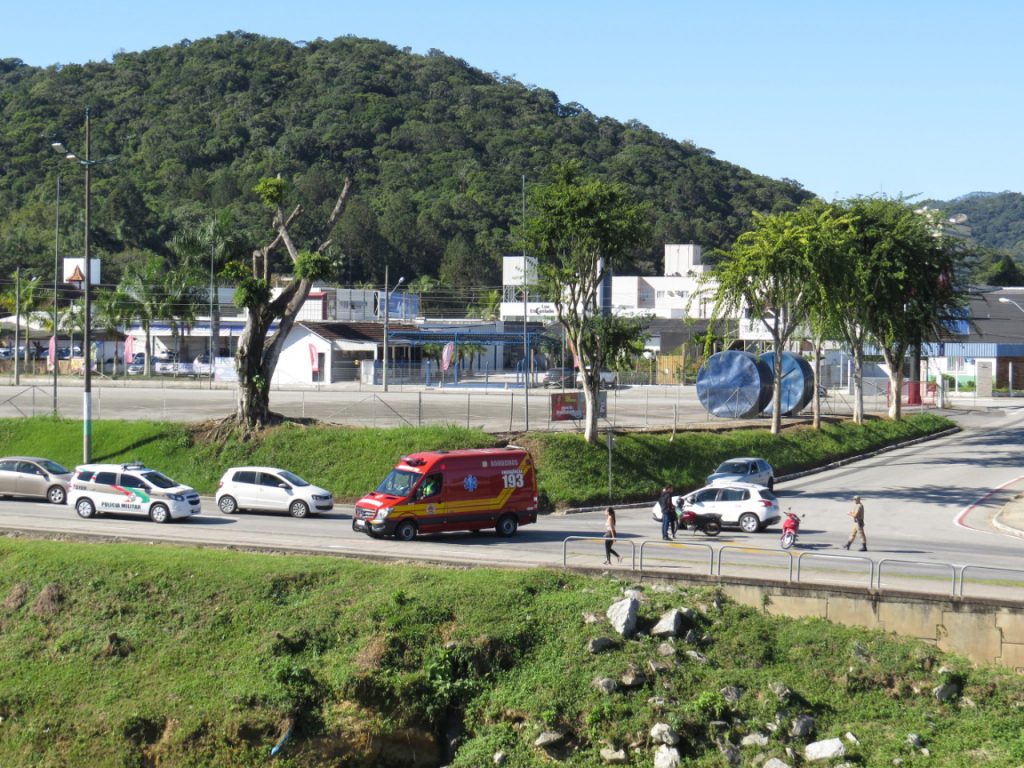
pixel 467 490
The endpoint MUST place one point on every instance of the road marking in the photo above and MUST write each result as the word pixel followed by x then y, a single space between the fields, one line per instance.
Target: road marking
pixel 959 519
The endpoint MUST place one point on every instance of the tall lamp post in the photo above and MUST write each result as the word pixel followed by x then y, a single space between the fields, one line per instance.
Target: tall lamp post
pixel 387 319
pixel 87 163
pixel 56 276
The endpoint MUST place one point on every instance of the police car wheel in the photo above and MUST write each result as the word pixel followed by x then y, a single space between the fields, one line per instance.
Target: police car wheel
pixel 507 525
pixel 158 513
pixel 85 508
pixel 298 509
pixel 406 531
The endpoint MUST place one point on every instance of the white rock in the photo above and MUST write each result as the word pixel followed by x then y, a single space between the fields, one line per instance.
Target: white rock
pixel 774 762
pixel 605 685
pixel 666 757
pixel 614 756
pixel 622 615
pixel 851 738
pixel 500 758
pixel 669 624
pixel 754 740
pixel 824 750
pixel 662 733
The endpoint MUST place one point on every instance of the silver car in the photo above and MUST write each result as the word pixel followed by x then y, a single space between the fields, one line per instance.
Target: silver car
pixel 33 477
pixel 744 470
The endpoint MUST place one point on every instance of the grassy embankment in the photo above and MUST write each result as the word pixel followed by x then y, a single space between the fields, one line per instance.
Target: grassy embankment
pixel 134 655
pixel 351 462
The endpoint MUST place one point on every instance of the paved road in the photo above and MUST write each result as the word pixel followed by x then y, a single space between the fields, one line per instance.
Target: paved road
pixel 936 503
pixel 930 503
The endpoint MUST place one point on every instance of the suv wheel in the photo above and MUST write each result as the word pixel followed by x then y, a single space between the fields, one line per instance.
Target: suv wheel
pixel 749 522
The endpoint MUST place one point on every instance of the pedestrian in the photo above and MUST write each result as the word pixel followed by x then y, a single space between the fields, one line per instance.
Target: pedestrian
pixel 857 513
pixel 609 536
pixel 667 511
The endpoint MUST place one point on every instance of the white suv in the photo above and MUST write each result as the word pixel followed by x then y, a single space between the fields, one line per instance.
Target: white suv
pixel 270 489
pixel 752 507
pixel 97 488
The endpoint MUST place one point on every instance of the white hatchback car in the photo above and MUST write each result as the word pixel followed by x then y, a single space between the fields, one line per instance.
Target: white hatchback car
pixel 752 507
pixel 269 489
pixel 97 488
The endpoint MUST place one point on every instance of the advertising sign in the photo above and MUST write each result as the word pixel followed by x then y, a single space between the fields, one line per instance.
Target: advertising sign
pixel 446 355
pixel 572 406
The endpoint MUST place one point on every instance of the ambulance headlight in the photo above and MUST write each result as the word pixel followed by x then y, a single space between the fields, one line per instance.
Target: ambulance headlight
pixel 382 513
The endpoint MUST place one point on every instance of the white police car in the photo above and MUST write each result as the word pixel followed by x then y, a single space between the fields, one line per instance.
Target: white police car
pixel 98 488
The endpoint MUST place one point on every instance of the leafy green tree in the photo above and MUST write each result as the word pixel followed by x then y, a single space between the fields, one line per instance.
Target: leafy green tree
pixel 258 349
pixel 1004 271
pixel 114 311
pixel 765 276
pixel 204 249
pixel 579 228
pixel 908 268
pixel 145 299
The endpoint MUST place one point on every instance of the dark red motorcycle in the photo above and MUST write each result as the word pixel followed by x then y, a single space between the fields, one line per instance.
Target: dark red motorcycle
pixel 707 523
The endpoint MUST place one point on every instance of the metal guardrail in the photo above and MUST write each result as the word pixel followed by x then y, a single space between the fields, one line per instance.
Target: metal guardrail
pixel 720 559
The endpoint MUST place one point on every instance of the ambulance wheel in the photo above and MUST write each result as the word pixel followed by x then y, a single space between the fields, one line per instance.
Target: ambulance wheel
pixel 405 531
pixel 85 508
pixel 507 525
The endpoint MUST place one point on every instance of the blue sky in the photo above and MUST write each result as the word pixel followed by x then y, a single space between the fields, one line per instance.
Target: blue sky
pixel 896 97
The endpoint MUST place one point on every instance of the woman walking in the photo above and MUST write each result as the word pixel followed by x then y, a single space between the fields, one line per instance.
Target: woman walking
pixel 609 537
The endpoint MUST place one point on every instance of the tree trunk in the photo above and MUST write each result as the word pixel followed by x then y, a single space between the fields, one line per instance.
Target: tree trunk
pixel 816 421
pixel 591 396
pixel 895 362
pixel 253 383
pixel 858 385
pixel 777 390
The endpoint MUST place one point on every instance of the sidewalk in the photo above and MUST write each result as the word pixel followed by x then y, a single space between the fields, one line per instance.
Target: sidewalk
pixel 1010 519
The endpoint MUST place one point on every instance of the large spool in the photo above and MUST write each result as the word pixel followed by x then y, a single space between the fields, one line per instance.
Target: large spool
pixel 797 383
pixel 734 385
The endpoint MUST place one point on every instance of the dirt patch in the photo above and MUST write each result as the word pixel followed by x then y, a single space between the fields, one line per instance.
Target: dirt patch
pixel 16 597
pixel 369 658
pixel 49 601
pixel 116 647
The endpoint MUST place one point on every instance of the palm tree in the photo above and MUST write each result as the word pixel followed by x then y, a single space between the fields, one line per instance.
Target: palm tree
pixel 211 243
pixel 113 313
pixel 144 291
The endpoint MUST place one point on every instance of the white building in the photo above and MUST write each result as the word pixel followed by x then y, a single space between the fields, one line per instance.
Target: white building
pixel 678 293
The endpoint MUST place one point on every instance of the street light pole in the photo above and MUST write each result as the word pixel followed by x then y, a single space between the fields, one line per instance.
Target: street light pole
pixel 56 275
pixel 17 324
pixel 87 163
pixel 387 318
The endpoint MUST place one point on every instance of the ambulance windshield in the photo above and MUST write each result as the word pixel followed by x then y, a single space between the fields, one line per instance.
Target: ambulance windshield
pixel 398 483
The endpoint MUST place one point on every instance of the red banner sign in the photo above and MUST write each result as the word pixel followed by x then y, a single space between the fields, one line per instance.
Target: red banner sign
pixel 572 406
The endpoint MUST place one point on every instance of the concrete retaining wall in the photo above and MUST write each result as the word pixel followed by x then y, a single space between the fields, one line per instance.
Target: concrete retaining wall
pixel 986 632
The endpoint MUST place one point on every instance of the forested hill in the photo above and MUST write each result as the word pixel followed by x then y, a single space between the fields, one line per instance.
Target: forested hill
pixel 996 219
pixel 437 151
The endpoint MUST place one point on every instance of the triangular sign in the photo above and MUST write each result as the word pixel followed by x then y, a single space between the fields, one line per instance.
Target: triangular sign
pixel 77 276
